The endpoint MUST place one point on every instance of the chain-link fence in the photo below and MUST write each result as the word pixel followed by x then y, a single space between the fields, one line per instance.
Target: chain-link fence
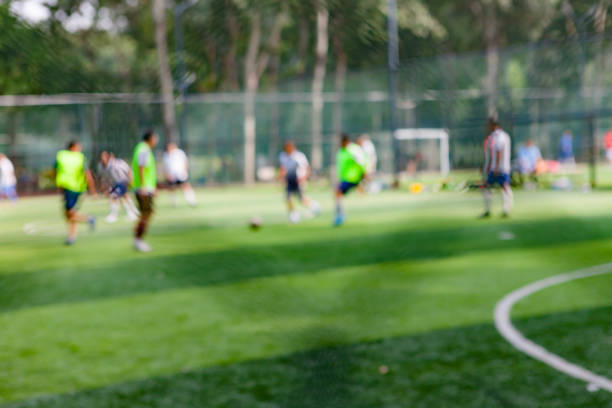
pixel 539 91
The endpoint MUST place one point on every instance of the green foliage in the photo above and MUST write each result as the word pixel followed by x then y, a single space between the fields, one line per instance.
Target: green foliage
pixel 46 58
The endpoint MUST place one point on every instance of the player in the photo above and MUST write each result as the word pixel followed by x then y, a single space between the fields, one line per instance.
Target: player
pixel 72 177
pixel 370 153
pixel 8 181
pixel 608 145
pixel 294 168
pixel 117 175
pixel 176 167
pixel 145 186
pixel 566 148
pixel 352 165
pixel 497 168
pixel 529 159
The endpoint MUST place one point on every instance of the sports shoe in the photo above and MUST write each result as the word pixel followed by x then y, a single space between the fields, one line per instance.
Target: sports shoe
pixel 131 216
pixel 339 220
pixel 485 215
pixel 111 218
pixel 92 223
pixel 141 246
pixel 70 241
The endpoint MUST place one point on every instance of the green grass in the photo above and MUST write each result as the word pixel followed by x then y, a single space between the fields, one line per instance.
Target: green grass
pixel 303 315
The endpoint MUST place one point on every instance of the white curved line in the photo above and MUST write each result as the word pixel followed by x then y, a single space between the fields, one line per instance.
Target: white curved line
pixel 39 228
pixel 510 333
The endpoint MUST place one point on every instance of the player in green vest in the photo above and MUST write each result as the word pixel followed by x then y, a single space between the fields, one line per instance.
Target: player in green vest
pixel 145 185
pixel 73 177
pixel 351 164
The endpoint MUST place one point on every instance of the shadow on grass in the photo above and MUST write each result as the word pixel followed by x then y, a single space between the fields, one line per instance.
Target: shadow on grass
pixel 462 367
pixel 208 268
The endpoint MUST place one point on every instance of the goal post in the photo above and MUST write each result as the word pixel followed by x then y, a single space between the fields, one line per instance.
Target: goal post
pixel 425 134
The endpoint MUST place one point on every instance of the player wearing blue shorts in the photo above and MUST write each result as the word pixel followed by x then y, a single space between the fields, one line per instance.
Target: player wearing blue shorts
pixel 295 170
pixel 352 167
pixel 497 168
pixel 73 177
pixel 116 177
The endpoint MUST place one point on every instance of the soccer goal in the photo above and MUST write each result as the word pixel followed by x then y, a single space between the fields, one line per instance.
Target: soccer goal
pixel 424 149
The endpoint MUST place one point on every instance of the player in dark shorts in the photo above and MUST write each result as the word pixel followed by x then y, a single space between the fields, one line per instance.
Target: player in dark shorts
pixel 116 175
pixel 145 186
pixel 351 163
pixel 73 177
pixel 295 170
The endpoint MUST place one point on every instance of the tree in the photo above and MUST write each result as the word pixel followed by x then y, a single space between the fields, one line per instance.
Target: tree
pixel 318 82
pixel 487 14
pixel 229 60
pixel 165 77
pixel 600 27
pixel 354 25
pixel 256 62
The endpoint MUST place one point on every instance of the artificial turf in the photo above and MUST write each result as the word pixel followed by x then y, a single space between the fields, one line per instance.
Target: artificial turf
pixel 303 315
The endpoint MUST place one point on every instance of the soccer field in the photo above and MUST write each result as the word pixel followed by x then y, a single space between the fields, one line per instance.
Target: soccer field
pixel 395 309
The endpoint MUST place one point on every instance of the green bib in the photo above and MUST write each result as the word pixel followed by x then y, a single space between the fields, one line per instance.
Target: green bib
pixel 349 169
pixel 71 171
pixel 149 181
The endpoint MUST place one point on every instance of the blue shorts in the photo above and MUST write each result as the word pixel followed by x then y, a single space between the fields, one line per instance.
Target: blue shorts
pixel 293 187
pixel 9 192
pixel 501 179
pixel 119 190
pixel 176 183
pixel 345 186
pixel 71 199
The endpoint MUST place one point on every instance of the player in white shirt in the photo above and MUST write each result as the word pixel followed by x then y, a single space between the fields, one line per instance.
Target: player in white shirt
pixel 370 151
pixel 8 181
pixel 116 176
pixel 176 167
pixel 295 170
pixel 497 168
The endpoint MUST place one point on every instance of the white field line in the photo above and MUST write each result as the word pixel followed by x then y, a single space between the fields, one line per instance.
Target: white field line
pixel 510 333
pixel 41 228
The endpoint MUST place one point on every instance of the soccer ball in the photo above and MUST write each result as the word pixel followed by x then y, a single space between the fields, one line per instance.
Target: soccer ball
pixel 255 223
pixel 294 217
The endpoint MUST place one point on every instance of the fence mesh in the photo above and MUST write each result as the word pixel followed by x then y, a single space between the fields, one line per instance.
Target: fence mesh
pixel 540 90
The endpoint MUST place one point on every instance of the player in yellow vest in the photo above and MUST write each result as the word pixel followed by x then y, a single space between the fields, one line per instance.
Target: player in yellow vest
pixel 145 186
pixel 73 177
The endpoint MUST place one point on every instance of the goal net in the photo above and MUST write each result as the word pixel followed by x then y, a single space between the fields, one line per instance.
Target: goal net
pixel 423 150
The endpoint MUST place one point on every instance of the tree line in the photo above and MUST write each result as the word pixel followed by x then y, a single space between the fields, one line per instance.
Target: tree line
pixel 250 45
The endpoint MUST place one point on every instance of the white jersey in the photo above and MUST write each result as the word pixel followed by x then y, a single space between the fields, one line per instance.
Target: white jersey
pixel 295 164
pixel 175 165
pixel 359 155
pixel 498 142
pixel 7 173
pixel 116 171
pixel 370 150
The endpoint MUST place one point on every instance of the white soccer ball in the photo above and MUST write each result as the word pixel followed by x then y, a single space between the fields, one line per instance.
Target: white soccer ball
pixel 255 223
pixel 294 217
pixel 315 208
